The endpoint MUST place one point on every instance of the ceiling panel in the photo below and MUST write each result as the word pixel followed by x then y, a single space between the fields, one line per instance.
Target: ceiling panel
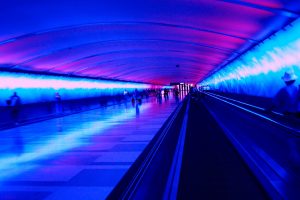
pixel 135 40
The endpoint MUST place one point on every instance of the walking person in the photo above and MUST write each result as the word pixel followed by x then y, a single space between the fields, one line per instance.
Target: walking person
pixel 287 98
pixel 58 104
pixel 14 103
pixel 287 101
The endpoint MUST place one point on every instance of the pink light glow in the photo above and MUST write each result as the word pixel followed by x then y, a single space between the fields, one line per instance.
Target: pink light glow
pixel 267 3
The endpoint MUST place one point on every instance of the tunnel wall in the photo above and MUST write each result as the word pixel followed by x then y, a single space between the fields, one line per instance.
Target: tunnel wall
pixel 33 88
pixel 37 93
pixel 47 110
pixel 258 72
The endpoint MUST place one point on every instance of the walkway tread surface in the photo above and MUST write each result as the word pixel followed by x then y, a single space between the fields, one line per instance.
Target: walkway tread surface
pixel 212 168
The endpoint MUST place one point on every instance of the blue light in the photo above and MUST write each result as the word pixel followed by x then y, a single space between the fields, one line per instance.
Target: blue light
pixel 38 88
pixel 70 137
pixel 259 71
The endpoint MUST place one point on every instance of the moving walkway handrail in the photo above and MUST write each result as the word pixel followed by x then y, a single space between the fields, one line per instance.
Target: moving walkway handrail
pixel 261 174
pixel 247 104
pixel 131 187
pixel 268 171
pixel 174 175
pixel 294 131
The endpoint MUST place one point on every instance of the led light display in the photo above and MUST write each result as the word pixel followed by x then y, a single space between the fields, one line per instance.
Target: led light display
pixel 39 88
pixel 259 71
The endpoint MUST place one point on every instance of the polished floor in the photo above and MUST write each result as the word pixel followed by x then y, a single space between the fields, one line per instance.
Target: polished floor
pixel 81 156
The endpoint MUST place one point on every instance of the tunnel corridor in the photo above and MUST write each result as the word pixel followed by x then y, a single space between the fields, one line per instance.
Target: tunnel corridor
pixel 151 99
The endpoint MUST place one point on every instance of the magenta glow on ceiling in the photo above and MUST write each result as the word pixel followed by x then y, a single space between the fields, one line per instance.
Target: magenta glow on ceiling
pixel 135 40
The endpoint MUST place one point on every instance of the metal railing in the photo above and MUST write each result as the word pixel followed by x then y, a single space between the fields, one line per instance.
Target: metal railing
pixel 128 192
pixel 230 102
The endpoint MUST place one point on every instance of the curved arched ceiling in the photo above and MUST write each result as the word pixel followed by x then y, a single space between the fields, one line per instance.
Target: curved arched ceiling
pixel 135 40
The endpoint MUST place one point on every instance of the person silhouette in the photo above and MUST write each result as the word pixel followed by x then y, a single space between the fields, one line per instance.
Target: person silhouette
pixel 15 103
pixel 137 109
pixel 58 103
pixel 287 98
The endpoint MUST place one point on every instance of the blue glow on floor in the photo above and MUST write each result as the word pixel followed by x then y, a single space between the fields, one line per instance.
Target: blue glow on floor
pixel 59 140
pixel 259 71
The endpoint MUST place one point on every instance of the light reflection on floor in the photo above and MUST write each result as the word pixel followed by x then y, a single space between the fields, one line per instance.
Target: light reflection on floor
pixel 57 158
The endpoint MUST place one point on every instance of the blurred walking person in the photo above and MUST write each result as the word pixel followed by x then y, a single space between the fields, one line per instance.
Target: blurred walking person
pixel 14 103
pixel 287 98
pixel 58 104
pixel 287 101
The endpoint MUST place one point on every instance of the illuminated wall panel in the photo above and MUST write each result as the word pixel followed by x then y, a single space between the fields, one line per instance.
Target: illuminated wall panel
pixel 259 71
pixel 40 88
